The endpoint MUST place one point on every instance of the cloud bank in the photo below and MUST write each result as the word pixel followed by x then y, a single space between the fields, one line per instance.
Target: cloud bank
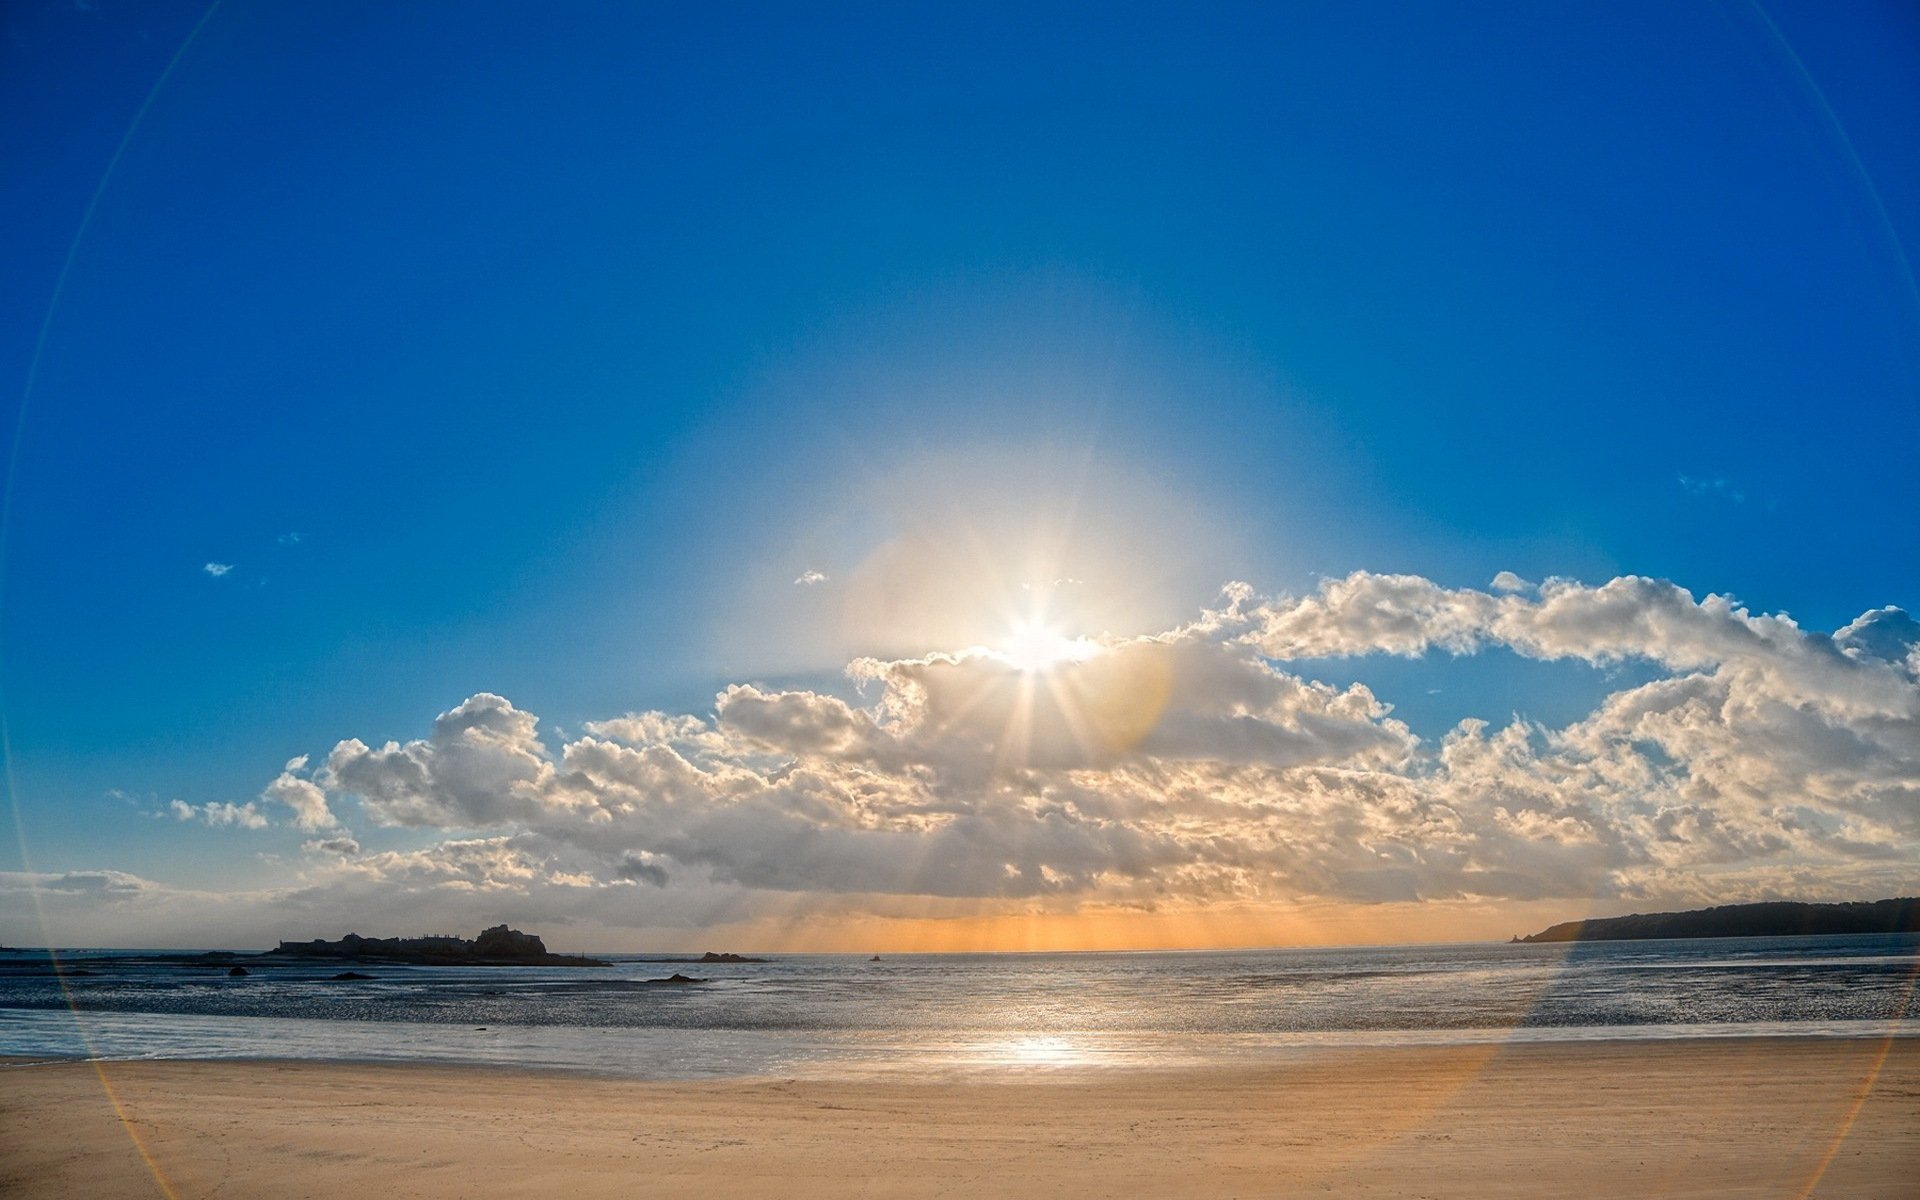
pixel 1198 766
pixel 1195 765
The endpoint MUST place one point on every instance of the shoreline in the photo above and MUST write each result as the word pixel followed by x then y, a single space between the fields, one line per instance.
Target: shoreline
pixel 1709 1118
pixel 643 1054
pixel 1258 1053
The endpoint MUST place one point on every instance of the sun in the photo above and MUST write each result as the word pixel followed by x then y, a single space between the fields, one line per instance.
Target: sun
pixel 1033 646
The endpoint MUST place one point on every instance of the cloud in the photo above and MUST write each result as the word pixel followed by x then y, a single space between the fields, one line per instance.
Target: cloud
pixel 1192 767
pixel 305 799
pixel 482 766
pixel 653 728
pixel 343 846
pixel 111 885
pixel 1717 487
pixel 809 578
pixel 241 816
pixel 502 863
pixel 217 569
pixel 641 868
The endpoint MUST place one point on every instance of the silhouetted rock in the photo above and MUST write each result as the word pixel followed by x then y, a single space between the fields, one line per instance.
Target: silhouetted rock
pixel 352 975
pixel 497 947
pixel 237 972
pixel 1779 918
pixel 711 957
pixel 677 977
pixel 501 942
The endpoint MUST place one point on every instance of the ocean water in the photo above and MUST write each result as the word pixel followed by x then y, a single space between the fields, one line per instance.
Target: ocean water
pixel 814 1015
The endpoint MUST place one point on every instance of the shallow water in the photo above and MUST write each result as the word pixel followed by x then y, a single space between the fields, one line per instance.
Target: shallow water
pixel 828 1014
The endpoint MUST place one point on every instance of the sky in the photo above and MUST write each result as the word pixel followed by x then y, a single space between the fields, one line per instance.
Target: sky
pixel 944 477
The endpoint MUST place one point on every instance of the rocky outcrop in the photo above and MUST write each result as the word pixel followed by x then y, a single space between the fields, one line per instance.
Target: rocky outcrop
pixel 501 942
pixel 495 947
pixel 1770 919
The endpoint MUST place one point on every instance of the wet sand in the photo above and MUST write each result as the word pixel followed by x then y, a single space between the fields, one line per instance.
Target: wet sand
pixel 1764 1117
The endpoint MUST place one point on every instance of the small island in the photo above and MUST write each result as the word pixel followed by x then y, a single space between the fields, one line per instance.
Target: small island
pixel 1779 918
pixel 495 947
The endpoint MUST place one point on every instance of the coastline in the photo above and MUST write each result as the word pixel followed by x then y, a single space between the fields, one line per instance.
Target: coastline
pixel 1714 1117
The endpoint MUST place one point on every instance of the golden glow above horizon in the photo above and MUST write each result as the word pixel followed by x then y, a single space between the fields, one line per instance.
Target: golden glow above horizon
pixel 924 925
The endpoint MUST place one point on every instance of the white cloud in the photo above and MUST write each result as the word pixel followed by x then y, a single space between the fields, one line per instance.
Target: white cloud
pixel 217 569
pixel 809 578
pixel 241 816
pixel 654 728
pixel 1191 767
pixel 482 766
pixel 306 799
pixel 113 885
pixel 471 864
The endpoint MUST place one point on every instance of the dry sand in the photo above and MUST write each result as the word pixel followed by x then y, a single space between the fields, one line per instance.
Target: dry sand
pixel 1721 1118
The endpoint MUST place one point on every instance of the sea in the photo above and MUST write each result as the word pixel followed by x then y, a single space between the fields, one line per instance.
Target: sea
pixel 810 1015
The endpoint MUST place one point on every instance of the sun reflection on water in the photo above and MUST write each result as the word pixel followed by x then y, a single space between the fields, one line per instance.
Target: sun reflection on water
pixel 1033 1052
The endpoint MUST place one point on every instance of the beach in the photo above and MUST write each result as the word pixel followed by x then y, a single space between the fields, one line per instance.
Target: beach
pixel 1826 1117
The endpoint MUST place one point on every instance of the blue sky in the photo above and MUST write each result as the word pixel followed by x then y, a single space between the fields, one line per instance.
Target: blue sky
pixel 534 352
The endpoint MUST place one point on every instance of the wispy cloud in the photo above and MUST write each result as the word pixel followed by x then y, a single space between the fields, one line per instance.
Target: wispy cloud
pixel 809 578
pixel 1717 487
pixel 217 569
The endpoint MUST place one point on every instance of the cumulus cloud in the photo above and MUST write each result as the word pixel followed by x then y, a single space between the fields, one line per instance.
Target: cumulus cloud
pixel 1194 766
pixel 217 569
pixel 305 799
pixel 469 864
pixel 241 816
pixel 809 578
pixel 1631 617
pixel 482 765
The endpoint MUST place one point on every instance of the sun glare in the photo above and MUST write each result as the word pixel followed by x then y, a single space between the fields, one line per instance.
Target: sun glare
pixel 1033 647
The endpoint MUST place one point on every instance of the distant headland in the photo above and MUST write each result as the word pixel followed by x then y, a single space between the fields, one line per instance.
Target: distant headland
pixel 1780 918
pixel 496 947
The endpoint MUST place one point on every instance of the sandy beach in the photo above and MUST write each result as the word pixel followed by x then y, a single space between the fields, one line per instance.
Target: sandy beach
pixel 1774 1117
